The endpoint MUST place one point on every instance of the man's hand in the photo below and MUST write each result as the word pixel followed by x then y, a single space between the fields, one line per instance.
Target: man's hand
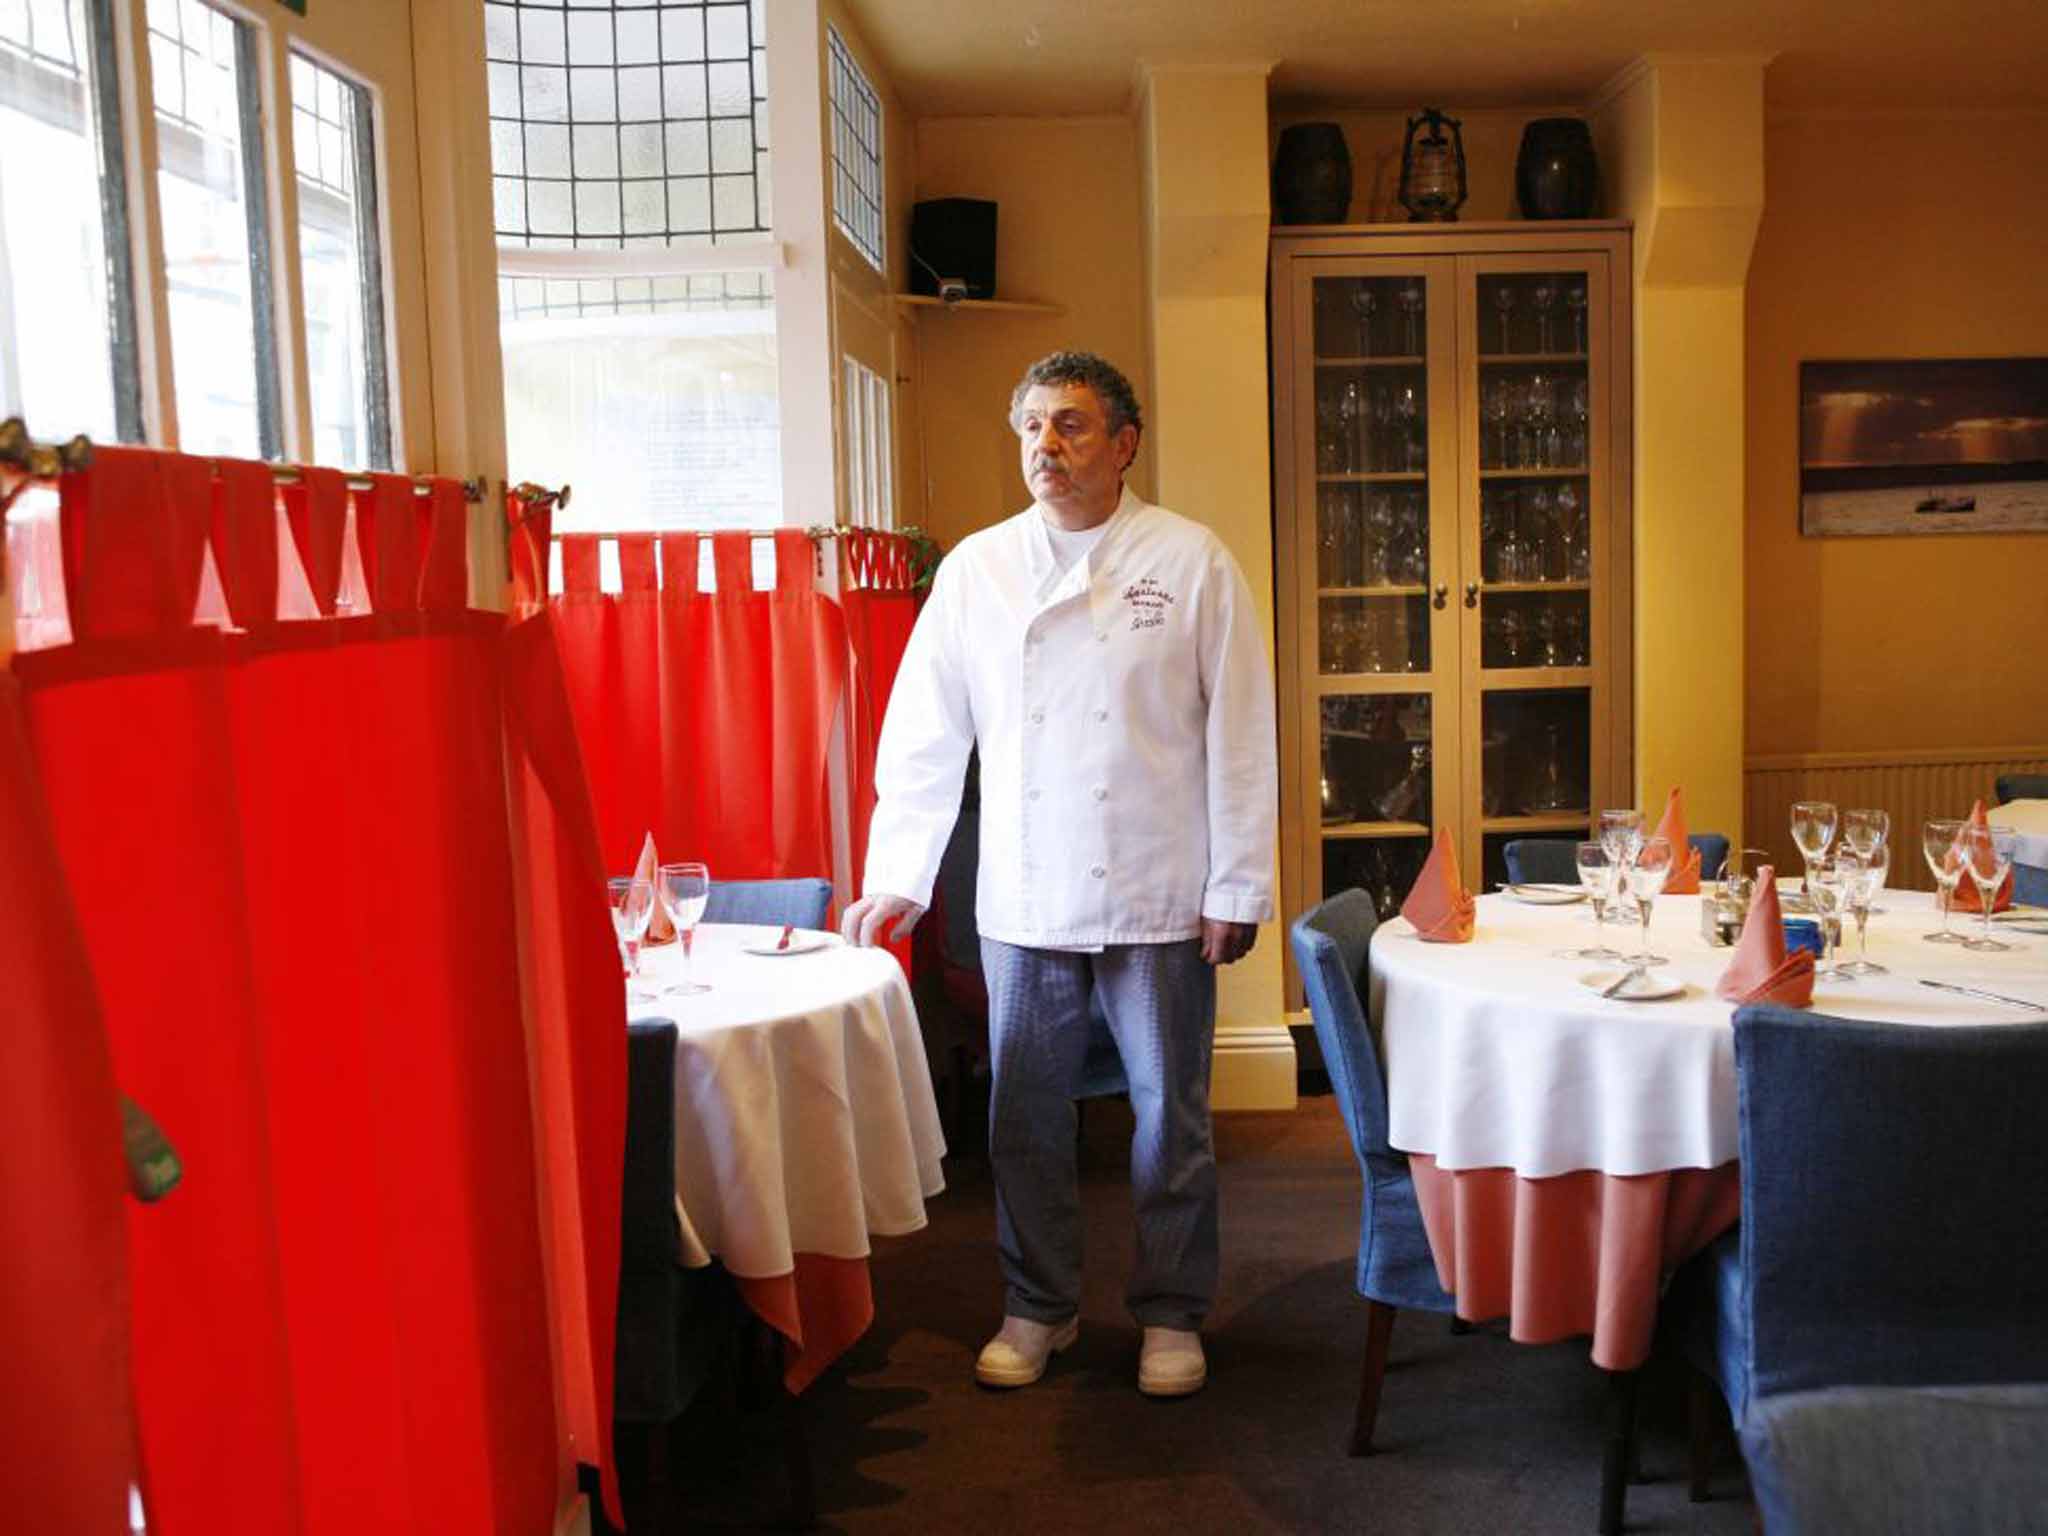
pixel 1227 943
pixel 866 918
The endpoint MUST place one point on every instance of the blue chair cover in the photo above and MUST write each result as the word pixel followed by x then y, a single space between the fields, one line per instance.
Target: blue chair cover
pixel 2021 786
pixel 1894 1211
pixel 2030 885
pixel 802 902
pixel 1901 1459
pixel 1554 860
pixel 672 1321
pixel 1331 942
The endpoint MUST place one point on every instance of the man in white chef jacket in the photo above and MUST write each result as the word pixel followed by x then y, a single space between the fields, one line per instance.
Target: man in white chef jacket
pixel 1107 658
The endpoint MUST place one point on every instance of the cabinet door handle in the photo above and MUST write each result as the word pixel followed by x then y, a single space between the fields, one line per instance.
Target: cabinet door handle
pixel 1471 594
pixel 1443 592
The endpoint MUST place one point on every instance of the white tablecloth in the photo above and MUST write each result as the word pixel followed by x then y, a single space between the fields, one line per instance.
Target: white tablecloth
pixel 1497 1058
pixel 2029 818
pixel 804 1113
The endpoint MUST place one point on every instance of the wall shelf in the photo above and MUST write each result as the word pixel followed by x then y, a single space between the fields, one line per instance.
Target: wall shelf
pixel 1024 306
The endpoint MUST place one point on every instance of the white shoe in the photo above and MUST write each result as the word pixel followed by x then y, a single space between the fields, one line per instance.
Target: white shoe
pixel 1171 1363
pixel 1016 1356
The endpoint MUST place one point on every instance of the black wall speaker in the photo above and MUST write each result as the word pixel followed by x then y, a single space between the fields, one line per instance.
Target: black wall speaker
pixel 953 238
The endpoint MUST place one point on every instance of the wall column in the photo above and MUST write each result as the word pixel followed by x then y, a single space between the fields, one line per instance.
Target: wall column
pixel 1681 144
pixel 1202 153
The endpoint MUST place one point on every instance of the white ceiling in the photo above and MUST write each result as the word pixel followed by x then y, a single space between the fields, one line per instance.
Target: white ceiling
pixel 1071 57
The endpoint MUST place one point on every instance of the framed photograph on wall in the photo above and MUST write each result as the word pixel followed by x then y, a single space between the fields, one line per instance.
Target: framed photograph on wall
pixel 1932 445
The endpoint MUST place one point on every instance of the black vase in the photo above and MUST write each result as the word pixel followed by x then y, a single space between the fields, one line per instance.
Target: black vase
pixel 1556 175
pixel 1311 175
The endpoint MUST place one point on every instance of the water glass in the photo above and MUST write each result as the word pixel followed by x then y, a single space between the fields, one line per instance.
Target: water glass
pixel 1836 881
pixel 1987 854
pixel 632 906
pixel 685 890
pixel 1646 874
pixel 1938 839
pixel 1596 874
pixel 1813 829
pixel 1874 870
pixel 1863 831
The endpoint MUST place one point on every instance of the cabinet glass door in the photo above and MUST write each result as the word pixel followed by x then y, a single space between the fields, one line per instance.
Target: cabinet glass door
pixel 1378 728
pixel 1535 474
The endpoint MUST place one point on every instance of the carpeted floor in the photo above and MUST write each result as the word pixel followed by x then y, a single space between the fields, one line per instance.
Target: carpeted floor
pixel 1475 1434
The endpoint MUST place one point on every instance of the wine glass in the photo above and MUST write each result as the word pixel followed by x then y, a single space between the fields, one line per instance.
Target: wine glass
pixel 1813 829
pixel 1542 431
pixel 1541 524
pixel 1646 874
pixel 1362 301
pixel 1575 306
pixel 1864 830
pixel 1408 412
pixel 1938 839
pixel 632 905
pixel 685 888
pixel 1351 421
pixel 1496 407
pixel 1571 526
pixel 1379 522
pixel 1987 854
pixel 1836 877
pixel 1597 874
pixel 1411 318
pixel 1876 866
pixel 1620 833
pixel 1542 296
pixel 1504 302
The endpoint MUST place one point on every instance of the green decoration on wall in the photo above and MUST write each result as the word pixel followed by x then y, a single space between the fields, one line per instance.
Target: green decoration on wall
pixel 294 5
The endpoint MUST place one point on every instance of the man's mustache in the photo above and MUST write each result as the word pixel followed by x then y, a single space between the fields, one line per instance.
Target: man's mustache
pixel 1038 462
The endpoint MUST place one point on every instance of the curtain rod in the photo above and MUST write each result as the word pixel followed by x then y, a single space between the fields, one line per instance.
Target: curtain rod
pixel 47 461
pixel 812 531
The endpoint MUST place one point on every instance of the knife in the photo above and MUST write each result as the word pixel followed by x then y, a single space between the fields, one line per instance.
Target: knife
pixel 1995 997
pixel 1614 987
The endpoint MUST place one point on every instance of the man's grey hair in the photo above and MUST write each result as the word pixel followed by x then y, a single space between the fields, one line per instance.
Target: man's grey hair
pixel 1119 400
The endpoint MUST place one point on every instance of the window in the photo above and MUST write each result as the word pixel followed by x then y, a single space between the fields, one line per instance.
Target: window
pixel 67 305
pixel 629 159
pixel 341 266
pixel 212 193
pixel 856 153
pixel 870 491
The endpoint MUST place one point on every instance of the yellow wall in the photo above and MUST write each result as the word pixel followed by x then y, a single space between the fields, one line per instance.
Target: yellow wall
pixel 1492 138
pixel 1067 232
pixel 1902 236
pixel 1680 143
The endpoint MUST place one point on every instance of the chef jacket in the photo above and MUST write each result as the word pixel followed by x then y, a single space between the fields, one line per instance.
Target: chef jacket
pixel 1124 712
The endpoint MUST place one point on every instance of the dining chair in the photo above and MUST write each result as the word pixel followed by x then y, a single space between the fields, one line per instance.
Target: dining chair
pixel 1972 1458
pixel 1555 860
pixel 1395 1270
pixel 1894 1223
pixel 674 1324
pixel 800 903
pixel 2021 786
pixel 2030 885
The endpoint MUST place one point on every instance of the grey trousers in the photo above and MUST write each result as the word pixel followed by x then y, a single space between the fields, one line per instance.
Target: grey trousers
pixel 1160 1002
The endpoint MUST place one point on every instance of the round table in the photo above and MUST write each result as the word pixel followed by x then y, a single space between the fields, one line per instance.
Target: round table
pixel 1569 1149
pixel 805 1123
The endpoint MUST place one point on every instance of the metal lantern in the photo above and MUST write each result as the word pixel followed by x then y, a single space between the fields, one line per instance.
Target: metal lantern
pixel 1433 169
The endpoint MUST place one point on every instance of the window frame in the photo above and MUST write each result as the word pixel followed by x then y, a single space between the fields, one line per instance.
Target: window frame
pixel 857 127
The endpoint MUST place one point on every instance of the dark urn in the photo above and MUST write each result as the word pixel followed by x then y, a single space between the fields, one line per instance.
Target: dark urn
pixel 1311 175
pixel 1556 175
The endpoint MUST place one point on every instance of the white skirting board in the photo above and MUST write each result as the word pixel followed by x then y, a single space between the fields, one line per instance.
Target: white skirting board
pixel 1254 1068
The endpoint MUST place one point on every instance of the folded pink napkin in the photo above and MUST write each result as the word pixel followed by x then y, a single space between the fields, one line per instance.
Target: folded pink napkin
pixel 1967 899
pixel 1684 879
pixel 1439 905
pixel 1761 971
pixel 659 929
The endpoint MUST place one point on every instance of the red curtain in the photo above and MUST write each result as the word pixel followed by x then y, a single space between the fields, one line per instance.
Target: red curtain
pixel 290 855
pixel 66 1454
pixel 881 608
pixel 704 716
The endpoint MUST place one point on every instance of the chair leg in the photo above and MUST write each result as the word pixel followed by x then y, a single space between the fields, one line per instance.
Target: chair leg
pixel 796 1459
pixel 1379 1330
pixel 1700 1423
pixel 1614 1459
pixel 1459 1326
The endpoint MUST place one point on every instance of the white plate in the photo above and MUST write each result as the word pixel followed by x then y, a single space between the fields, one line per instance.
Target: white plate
pixel 802 942
pixel 1650 987
pixel 1544 895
